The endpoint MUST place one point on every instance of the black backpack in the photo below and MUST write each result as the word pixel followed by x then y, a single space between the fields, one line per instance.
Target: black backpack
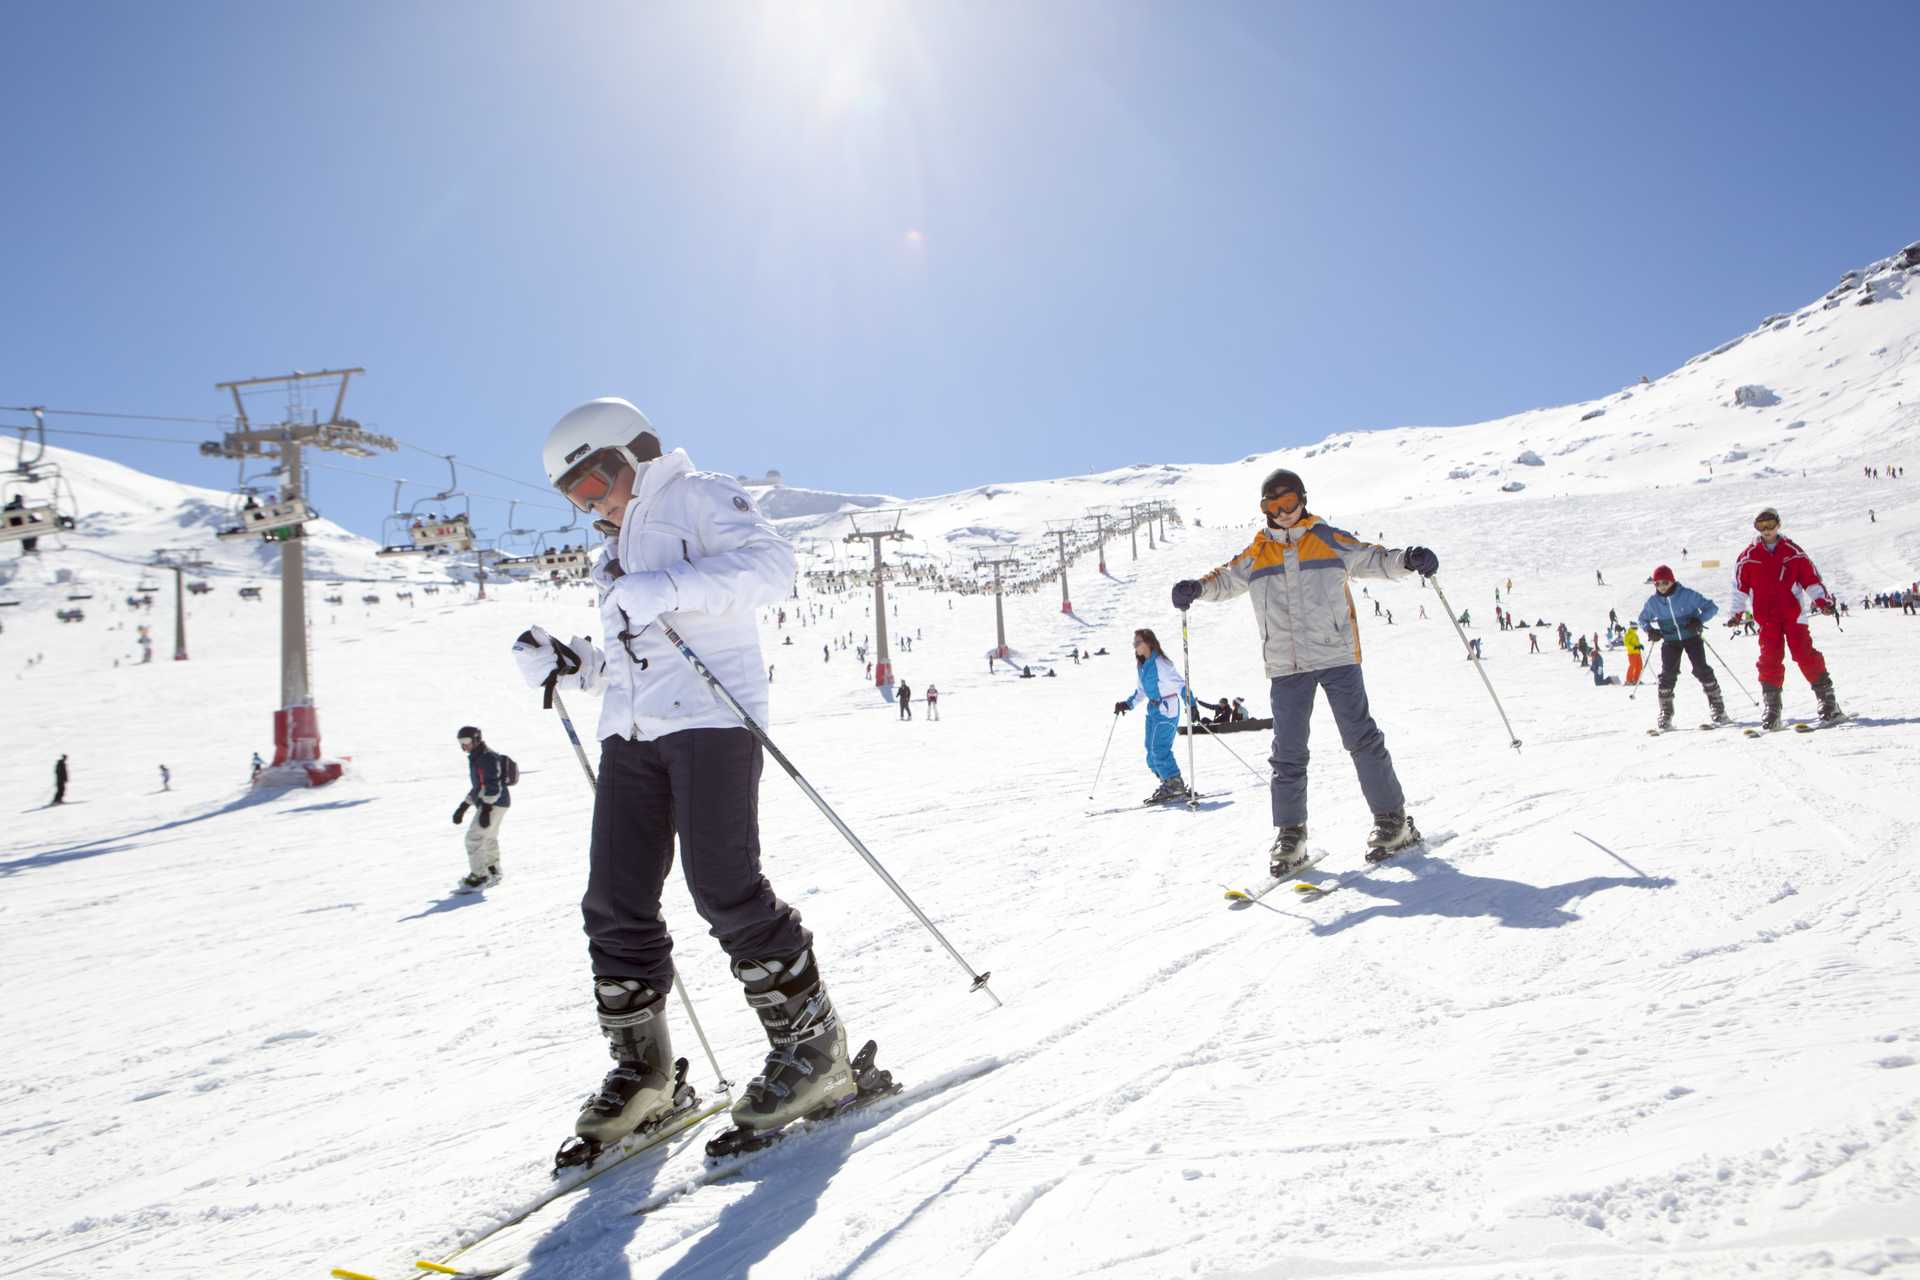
pixel 509 771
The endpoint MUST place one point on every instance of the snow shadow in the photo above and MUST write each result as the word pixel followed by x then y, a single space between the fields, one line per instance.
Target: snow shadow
pixel 326 805
pixel 131 840
pixel 1441 889
pixel 592 1239
pixel 784 1197
pixel 452 902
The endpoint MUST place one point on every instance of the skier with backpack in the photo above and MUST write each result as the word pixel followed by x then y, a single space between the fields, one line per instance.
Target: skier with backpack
pixel 491 776
pixel 1296 570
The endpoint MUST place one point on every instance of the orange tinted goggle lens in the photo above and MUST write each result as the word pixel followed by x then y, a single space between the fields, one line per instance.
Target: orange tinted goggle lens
pixel 1281 503
pixel 1766 524
pixel 592 480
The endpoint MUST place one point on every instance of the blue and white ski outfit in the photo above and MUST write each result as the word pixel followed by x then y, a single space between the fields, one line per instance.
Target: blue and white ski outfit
pixel 1160 684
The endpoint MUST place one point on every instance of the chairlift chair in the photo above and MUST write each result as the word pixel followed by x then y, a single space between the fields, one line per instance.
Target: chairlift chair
pixel 266 519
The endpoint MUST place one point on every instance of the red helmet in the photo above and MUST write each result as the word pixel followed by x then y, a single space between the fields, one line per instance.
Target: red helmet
pixel 1663 574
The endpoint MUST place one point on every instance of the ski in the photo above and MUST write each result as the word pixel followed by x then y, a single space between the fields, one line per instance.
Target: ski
pixel 1177 802
pixel 870 1085
pixel 688 1113
pixel 1243 894
pixel 1815 726
pixel 884 1102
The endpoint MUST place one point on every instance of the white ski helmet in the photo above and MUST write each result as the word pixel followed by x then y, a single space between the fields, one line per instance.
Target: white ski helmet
pixel 604 435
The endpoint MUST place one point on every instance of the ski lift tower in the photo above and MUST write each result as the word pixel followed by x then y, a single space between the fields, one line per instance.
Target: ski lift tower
pixel 878 527
pixel 296 725
pixel 1100 516
pixel 1000 649
pixel 1061 530
pixel 179 561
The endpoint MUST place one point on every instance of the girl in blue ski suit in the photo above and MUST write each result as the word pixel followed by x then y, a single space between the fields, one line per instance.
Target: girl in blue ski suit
pixel 1159 682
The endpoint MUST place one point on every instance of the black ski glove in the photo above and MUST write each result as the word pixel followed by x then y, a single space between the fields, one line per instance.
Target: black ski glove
pixel 460 814
pixel 1693 626
pixel 486 815
pixel 1421 561
pixel 1185 592
pixel 1121 708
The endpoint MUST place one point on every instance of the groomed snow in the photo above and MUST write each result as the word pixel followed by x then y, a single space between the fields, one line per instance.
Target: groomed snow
pixel 1644 1007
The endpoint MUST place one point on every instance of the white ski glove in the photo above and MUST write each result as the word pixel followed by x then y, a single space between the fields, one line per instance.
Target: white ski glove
pixel 645 596
pixel 536 653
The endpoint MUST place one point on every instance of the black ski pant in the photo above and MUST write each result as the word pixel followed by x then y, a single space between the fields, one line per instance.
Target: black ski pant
pixel 704 786
pixel 1696 650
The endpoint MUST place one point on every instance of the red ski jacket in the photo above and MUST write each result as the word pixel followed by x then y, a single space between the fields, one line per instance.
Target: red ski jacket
pixel 1777 585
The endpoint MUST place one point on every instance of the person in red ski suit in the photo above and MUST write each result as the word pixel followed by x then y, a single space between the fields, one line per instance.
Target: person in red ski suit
pixel 1774 582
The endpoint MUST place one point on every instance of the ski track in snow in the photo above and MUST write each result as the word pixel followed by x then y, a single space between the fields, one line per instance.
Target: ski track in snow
pixel 1642 1007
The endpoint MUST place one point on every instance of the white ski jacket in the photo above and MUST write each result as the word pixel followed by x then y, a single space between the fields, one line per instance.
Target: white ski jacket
pixel 725 560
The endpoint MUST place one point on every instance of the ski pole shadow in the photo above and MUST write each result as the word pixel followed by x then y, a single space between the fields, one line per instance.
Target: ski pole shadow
pixel 452 902
pixel 783 1200
pixel 120 843
pixel 1441 889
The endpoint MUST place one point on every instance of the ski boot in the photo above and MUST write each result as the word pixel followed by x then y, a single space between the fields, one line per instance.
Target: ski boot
pixel 1289 852
pixel 1770 697
pixel 474 882
pixel 1391 833
pixel 1718 705
pixel 807 1072
pixel 642 1086
pixel 1830 712
pixel 1665 722
pixel 1174 788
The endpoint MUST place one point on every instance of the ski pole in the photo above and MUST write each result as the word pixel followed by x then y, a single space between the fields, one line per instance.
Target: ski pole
pixel 1103 756
pixel 1480 667
pixel 1215 735
pixel 553 699
pixel 1186 661
pixel 1723 662
pixel 733 705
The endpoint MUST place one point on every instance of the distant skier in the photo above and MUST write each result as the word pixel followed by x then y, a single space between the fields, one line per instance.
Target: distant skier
pixel 1160 683
pixel 487 795
pixel 933 702
pixel 1296 570
pixel 60 780
pixel 1634 653
pixel 677 764
pixel 1776 585
pixel 258 765
pixel 166 778
pixel 1677 616
pixel 905 699
pixel 1533 643
pixel 1597 665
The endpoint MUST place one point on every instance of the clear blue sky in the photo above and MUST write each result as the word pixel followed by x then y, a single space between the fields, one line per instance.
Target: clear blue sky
pixel 915 248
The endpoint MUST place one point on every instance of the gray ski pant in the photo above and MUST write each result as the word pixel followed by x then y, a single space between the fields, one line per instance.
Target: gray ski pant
pixel 704 786
pixel 1292 720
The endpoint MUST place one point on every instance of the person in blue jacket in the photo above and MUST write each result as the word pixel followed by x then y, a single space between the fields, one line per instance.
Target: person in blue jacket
pixel 1165 692
pixel 1677 617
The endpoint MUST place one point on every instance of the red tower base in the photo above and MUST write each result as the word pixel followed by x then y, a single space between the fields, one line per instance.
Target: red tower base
pixel 1066 606
pixel 296 751
pixel 882 674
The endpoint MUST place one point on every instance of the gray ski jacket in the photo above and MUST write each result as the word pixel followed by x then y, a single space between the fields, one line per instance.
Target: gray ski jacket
pixel 1298 580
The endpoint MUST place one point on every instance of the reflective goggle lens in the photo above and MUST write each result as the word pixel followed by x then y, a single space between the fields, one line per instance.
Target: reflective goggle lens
pixel 592 479
pixel 1280 503
pixel 1764 525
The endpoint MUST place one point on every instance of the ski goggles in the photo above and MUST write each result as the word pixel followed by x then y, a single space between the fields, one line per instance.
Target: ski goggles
pixel 1765 523
pixel 1285 502
pixel 592 478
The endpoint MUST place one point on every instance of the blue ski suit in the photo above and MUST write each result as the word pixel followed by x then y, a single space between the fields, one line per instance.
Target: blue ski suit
pixel 1160 684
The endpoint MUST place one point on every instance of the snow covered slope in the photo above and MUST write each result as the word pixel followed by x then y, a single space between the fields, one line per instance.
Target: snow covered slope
pixel 1643 1007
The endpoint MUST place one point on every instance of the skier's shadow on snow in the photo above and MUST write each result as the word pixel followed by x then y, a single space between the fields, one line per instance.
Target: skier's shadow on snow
pixel 784 1196
pixel 452 902
pixel 1441 889
pixel 121 843
pixel 600 1219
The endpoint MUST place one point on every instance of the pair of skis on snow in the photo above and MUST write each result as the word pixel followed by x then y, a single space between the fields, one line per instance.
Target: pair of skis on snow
pixel 582 1160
